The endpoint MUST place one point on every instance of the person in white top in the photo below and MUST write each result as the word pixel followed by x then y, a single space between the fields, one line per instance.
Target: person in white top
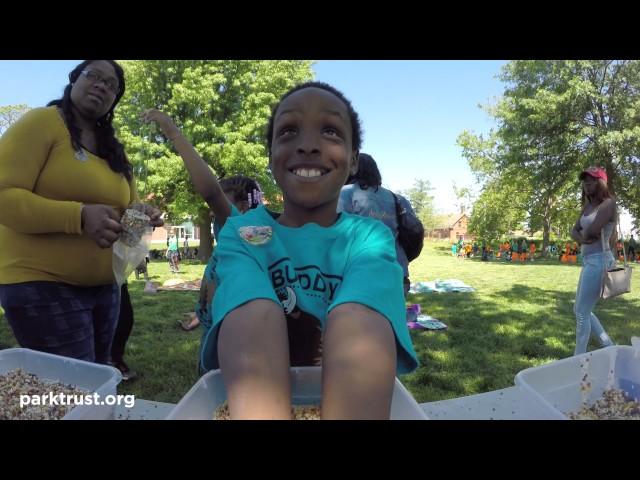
pixel 593 231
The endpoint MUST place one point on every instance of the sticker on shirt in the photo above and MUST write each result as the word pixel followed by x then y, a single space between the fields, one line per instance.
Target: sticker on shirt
pixel 256 235
pixel 288 299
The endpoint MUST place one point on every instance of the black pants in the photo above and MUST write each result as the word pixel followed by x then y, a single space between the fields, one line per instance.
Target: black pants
pixel 124 327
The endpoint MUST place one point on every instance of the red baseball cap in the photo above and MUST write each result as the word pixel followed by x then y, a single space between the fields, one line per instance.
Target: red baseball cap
pixel 595 172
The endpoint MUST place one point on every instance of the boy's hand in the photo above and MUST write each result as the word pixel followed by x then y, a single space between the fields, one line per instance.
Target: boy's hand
pixel 163 121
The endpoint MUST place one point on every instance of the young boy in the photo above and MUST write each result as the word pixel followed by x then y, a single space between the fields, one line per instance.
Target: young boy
pixel 310 286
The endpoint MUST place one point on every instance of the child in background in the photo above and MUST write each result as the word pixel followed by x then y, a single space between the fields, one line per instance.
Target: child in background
pixel 532 250
pixel 172 252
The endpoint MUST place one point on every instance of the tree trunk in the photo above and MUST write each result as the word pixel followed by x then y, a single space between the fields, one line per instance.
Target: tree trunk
pixel 546 228
pixel 611 181
pixel 206 239
pixel 545 237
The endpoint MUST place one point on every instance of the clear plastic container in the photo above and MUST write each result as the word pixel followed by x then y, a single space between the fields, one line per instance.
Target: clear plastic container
pixel 209 393
pixel 101 379
pixel 558 384
pixel 512 403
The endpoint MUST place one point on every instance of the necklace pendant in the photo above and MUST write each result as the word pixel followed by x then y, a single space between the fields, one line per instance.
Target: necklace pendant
pixel 81 155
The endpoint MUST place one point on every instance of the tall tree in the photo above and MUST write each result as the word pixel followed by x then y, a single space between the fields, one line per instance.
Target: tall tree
pixel 555 118
pixel 569 114
pixel 464 197
pixel 422 202
pixel 222 106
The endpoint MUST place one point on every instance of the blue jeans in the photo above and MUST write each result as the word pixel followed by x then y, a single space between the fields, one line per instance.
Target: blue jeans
pixel 587 296
pixel 76 322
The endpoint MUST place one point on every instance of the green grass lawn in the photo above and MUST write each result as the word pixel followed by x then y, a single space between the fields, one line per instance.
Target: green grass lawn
pixel 520 316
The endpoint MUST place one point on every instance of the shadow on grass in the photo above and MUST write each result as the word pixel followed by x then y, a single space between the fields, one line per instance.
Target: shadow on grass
pixel 492 337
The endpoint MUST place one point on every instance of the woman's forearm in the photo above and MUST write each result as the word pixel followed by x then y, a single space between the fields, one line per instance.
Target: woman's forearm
pixel 576 235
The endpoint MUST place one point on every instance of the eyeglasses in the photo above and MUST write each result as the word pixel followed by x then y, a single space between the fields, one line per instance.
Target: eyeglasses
pixel 94 77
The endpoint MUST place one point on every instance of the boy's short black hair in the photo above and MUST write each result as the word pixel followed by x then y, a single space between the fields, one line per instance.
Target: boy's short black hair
pixel 356 126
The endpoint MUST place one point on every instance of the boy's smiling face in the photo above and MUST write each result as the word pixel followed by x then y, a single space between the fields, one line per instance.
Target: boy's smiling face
pixel 312 153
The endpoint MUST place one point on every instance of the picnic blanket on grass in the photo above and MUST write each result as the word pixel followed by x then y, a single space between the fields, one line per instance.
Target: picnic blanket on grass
pixel 441 286
pixel 174 285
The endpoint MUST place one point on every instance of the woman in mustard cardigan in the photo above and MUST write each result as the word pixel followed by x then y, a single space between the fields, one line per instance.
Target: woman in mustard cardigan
pixel 64 183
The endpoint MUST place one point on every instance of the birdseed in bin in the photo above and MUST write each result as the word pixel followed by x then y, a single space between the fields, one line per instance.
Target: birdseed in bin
pixel 208 394
pixel 603 384
pixel 22 364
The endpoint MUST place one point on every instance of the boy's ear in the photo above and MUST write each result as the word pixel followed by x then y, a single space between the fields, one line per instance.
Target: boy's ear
pixel 354 163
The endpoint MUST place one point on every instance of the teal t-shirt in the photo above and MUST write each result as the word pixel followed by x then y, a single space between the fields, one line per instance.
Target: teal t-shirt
pixel 310 270
pixel 216 225
pixel 204 311
pixel 173 244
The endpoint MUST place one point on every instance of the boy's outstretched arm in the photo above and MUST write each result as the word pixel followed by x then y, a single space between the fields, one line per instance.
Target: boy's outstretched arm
pixel 253 351
pixel 358 364
pixel 202 177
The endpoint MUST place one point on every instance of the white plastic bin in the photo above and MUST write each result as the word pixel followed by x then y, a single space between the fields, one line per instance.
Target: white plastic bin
pixel 101 379
pixel 557 384
pixel 209 393
pixel 512 403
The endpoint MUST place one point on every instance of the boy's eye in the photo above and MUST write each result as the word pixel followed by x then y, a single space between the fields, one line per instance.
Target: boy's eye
pixel 286 131
pixel 332 131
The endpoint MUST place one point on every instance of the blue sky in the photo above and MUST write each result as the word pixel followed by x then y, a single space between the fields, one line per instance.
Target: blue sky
pixel 412 111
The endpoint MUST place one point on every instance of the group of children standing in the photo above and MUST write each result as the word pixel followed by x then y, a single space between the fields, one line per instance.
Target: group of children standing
pixel 517 250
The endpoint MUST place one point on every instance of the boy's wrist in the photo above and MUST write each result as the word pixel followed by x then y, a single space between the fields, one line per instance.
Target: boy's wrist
pixel 172 132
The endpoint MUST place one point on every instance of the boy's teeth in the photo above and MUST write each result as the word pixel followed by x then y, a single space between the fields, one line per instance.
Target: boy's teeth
pixel 307 172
